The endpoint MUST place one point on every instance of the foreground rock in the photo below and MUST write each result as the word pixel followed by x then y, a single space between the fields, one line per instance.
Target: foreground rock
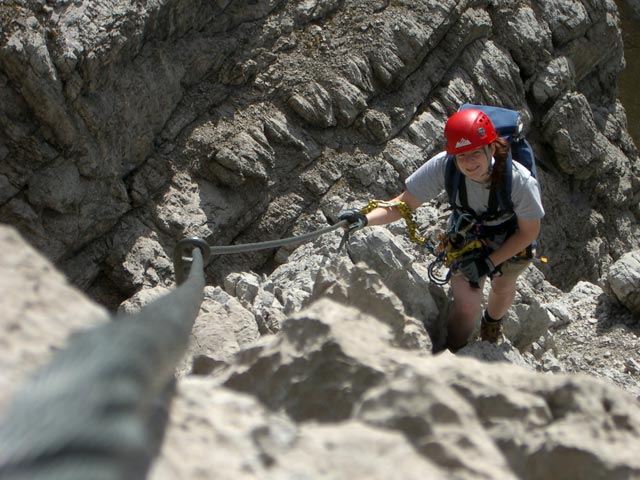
pixel 465 419
pixel 40 310
pixel 336 391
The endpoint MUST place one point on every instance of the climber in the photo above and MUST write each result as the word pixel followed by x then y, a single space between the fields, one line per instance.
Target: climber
pixel 481 156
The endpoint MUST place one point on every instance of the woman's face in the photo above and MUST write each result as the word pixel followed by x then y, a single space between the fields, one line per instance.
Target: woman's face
pixel 475 164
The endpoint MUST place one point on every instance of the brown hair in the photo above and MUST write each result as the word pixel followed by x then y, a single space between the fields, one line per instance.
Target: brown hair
pixel 499 172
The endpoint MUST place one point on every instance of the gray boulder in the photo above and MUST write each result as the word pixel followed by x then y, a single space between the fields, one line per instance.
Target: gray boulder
pixel 624 280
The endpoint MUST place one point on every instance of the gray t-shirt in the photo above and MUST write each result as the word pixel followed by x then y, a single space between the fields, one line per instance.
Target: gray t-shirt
pixel 429 180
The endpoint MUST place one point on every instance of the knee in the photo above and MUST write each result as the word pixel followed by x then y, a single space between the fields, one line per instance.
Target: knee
pixel 465 309
pixel 503 288
pixel 467 301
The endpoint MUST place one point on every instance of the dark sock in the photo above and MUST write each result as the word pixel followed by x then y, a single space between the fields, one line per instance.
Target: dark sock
pixel 489 318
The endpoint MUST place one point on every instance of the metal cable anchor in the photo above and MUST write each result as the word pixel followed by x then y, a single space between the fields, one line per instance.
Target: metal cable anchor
pixel 182 256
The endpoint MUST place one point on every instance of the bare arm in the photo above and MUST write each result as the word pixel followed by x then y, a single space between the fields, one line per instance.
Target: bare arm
pixel 384 215
pixel 527 232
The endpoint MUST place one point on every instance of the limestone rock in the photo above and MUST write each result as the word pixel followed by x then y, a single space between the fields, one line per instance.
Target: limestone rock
pixel 40 310
pixel 336 352
pixel 441 425
pixel 353 450
pixel 624 280
pixel 222 329
pixel 550 404
pixel 126 126
pixel 333 384
pixel 267 103
pixel 140 299
pixel 230 423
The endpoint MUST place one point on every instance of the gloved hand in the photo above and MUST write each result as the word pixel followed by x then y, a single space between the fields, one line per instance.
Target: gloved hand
pixel 356 219
pixel 474 268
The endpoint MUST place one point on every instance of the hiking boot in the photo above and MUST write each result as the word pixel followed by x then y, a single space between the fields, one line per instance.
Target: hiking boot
pixel 490 329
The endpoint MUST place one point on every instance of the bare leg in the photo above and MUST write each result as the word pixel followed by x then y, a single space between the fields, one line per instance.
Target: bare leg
pixel 467 302
pixel 501 295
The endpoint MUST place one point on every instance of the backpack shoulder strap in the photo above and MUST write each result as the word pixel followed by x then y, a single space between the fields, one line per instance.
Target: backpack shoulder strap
pixel 451 180
pixel 506 202
pixel 456 187
pixel 500 197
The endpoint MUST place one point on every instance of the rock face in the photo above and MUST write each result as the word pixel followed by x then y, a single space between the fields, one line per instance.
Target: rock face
pixel 126 126
pixel 635 4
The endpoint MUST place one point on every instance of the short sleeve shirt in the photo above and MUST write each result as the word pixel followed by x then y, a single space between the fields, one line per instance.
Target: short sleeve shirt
pixel 429 180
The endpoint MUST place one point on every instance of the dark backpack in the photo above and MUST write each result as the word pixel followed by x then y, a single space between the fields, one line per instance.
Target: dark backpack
pixel 508 125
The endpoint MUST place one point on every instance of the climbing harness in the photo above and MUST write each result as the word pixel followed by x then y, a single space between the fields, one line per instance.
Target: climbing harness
pixel 460 241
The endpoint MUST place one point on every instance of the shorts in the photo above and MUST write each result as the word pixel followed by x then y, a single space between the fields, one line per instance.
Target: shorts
pixel 509 270
pixel 513 267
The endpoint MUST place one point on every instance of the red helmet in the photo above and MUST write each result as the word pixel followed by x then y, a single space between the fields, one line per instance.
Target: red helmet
pixel 467 130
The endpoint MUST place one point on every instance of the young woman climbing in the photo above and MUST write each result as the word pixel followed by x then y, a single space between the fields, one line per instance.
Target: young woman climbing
pixel 474 149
